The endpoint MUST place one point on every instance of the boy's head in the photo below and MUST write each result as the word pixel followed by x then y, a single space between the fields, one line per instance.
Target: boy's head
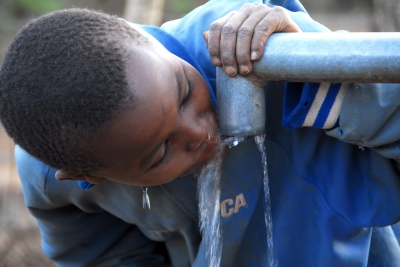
pixel 92 95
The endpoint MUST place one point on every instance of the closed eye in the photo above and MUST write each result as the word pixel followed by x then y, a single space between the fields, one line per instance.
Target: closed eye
pixel 164 156
pixel 188 95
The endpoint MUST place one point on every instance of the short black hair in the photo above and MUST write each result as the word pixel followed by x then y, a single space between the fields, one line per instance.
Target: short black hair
pixel 62 79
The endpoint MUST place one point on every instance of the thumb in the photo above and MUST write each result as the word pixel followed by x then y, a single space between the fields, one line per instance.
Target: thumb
pixel 205 36
pixel 63 175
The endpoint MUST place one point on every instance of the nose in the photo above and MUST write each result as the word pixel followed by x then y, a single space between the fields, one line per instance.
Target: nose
pixel 192 132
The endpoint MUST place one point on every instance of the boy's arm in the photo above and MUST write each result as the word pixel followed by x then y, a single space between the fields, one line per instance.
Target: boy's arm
pixel 370 117
pixel 363 114
pixel 72 237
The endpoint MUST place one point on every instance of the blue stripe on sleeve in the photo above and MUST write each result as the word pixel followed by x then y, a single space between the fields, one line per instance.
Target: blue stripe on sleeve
pixel 326 107
pixel 312 105
pixel 297 102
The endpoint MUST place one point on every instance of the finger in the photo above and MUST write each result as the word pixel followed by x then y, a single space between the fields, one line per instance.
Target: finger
pixel 205 36
pixel 214 37
pixel 63 175
pixel 245 36
pixel 277 20
pixel 229 39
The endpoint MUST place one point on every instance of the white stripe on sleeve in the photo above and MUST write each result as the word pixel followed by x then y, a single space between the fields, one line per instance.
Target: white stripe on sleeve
pixel 337 105
pixel 316 105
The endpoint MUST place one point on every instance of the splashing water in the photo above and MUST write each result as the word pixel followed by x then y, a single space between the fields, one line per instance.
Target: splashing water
pixel 233 141
pixel 208 190
pixel 267 201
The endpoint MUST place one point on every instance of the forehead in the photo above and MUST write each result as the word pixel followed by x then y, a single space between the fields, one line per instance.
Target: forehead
pixel 146 56
pixel 150 69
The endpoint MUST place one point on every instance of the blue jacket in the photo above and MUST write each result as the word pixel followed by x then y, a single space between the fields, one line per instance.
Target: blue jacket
pixel 332 184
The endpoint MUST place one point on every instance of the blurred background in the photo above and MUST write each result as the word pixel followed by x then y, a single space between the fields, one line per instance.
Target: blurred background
pixel 19 235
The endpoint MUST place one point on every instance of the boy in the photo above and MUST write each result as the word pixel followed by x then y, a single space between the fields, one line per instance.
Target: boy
pixel 104 102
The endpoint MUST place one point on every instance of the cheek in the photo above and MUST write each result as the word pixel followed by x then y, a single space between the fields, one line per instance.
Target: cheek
pixel 179 164
pixel 205 100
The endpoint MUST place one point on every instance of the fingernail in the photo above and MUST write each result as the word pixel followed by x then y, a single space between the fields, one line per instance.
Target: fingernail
pixel 244 69
pixel 216 61
pixel 254 56
pixel 230 71
pixel 65 179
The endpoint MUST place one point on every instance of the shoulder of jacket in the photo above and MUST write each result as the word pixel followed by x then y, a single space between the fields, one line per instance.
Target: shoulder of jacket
pixel 33 176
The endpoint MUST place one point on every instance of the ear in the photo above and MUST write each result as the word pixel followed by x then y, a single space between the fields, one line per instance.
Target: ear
pixel 62 175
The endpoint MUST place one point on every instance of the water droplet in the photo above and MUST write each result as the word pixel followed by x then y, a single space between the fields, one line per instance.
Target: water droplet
pixel 233 141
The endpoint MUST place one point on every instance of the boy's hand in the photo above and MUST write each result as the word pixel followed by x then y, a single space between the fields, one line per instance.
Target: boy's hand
pixel 238 38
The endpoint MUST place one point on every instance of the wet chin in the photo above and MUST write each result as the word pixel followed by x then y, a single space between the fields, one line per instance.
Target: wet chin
pixel 204 159
pixel 193 169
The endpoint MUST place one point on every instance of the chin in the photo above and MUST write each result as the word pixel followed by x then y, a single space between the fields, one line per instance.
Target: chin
pixel 212 144
pixel 192 170
pixel 197 167
pixel 205 158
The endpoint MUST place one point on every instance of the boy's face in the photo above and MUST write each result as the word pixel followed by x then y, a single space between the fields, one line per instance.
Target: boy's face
pixel 171 129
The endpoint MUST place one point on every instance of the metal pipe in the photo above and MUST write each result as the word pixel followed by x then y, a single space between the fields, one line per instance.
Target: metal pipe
pixel 305 57
pixel 241 106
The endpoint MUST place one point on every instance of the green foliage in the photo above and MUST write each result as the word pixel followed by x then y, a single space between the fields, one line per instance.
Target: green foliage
pixel 179 6
pixel 23 8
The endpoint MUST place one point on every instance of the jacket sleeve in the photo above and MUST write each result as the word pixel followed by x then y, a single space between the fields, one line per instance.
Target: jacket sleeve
pixel 363 114
pixel 370 117
pixel 366 115
pixel 72 237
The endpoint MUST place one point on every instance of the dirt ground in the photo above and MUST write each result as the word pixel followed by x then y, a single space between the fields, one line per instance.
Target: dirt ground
pixel 19 234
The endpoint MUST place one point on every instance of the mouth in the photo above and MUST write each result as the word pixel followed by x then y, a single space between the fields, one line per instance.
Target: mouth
pixel 204 143
pixel 211 145
pixel 208 148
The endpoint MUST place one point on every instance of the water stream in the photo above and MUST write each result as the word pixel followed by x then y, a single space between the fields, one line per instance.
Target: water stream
pixel 209 203
pixel 208 190
pixel 267 201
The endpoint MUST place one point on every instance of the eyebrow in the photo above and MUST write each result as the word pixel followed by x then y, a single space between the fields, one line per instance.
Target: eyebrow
pixel 178 81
